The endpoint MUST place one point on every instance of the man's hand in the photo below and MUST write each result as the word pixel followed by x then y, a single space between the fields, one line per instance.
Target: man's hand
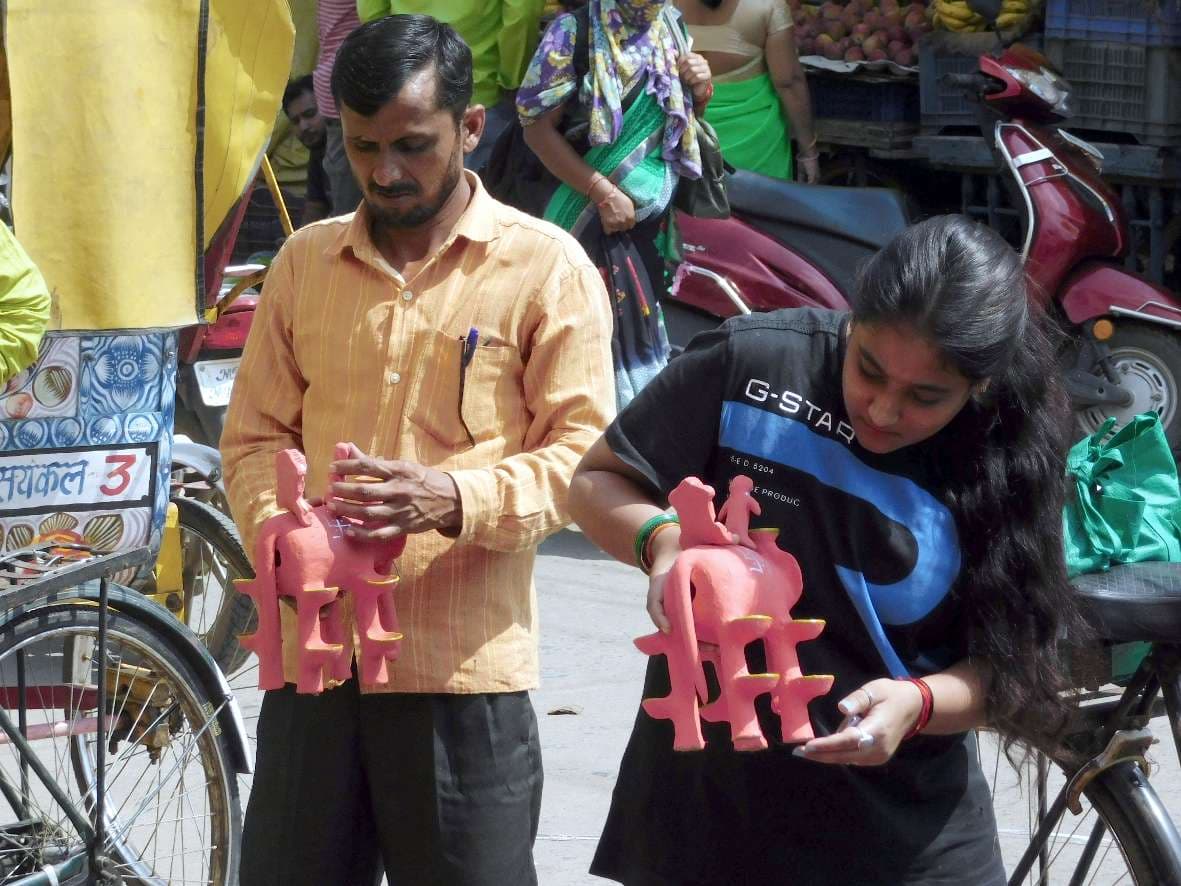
pixel 404 497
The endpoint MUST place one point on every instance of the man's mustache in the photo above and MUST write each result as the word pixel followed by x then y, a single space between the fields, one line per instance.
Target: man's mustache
pixel 403 191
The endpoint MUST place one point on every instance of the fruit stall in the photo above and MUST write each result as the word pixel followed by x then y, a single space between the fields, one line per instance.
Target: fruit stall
pixel 886 115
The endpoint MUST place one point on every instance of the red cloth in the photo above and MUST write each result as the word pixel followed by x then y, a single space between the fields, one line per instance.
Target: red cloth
pixel 335 19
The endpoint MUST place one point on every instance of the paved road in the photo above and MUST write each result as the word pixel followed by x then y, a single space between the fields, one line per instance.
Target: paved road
pixel 591 608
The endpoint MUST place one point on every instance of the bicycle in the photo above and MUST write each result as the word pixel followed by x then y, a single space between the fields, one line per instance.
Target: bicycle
pixel 1118 827
pixel 120 741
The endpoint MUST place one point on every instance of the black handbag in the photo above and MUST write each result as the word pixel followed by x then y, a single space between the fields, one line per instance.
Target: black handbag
pixel 703 197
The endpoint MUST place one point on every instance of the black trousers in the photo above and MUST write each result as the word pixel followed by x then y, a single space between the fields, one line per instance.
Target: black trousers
pixel 431 790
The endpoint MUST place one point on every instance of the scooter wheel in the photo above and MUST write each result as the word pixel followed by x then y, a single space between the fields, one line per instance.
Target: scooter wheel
pixel 1147 360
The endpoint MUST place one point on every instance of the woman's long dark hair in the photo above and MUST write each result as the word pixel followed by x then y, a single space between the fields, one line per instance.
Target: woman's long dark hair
pixel 960 286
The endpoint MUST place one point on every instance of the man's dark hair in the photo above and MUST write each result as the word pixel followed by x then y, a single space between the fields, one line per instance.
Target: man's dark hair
pixel 296 88
pixel 375 61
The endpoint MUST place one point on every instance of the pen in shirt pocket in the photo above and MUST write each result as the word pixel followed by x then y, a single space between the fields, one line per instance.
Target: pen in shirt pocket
pixel 469 347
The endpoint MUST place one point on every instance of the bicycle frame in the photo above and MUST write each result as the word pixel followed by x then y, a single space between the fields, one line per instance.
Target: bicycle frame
pixel 93 836
pixel 1118 726
pixel 73 585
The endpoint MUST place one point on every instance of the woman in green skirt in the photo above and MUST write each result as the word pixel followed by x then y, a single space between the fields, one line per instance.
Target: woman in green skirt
pixel 758 85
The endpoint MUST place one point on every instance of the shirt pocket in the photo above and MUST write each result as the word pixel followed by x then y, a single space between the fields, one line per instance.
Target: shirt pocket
pixel 465 403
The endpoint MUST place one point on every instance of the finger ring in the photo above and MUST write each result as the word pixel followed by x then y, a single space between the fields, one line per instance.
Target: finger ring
pixel 868 695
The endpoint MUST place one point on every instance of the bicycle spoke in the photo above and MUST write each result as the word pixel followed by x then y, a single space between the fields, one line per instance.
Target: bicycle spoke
pixel 168 786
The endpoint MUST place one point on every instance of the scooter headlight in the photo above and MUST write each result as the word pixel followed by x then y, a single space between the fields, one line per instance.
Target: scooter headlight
pixel 1047 86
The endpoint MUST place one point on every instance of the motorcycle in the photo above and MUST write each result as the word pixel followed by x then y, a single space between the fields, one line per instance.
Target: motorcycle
pixel 209 356
pixel 792 245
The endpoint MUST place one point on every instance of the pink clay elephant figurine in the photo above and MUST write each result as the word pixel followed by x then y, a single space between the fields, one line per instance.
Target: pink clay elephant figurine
pixel 719 596
pixel 306 555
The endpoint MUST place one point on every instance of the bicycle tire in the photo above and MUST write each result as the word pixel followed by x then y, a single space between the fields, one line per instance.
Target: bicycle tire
pixel 235 613
pixel 1134 814
pixel 139 650
pixel 1145 836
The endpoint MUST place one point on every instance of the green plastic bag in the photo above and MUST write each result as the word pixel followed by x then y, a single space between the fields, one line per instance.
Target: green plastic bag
pixel 1127 507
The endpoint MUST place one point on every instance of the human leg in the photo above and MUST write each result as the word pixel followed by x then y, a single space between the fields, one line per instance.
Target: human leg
pixel 345 193
pixel 456 787
pixel 308 820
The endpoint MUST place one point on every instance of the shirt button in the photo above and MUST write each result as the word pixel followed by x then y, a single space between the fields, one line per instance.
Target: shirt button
pixel 407 295
pixel 395 377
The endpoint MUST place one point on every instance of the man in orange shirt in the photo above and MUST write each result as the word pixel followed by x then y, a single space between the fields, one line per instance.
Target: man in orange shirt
pixel 464 349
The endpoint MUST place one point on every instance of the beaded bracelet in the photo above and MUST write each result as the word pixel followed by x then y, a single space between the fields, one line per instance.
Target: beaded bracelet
pixel 925 711
pixel 645 534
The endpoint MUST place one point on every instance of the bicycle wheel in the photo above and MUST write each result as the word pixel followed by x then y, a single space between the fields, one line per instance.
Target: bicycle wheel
pixel 213 557
pixel 1122 835
pixel 171 805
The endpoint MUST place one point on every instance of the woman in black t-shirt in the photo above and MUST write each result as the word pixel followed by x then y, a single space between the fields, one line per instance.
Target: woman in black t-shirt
pixel 911 456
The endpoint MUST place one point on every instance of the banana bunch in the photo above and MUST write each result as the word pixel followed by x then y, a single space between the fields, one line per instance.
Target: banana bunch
pixel 1014 15
pixel 954 15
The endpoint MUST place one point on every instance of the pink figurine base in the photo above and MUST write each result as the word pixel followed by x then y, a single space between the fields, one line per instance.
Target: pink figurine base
pixel 720 596
pixel 306 556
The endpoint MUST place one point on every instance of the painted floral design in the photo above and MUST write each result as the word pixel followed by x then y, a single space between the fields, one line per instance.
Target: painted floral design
pixel 125 367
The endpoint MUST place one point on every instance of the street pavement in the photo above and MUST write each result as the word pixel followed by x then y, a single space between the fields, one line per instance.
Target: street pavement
pixel 591 608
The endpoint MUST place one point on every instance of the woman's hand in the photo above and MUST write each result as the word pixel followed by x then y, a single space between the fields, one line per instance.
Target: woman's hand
pixel 877 717
pixel 617 212
pixel 697 76
pixel 808 167
pixel 665 547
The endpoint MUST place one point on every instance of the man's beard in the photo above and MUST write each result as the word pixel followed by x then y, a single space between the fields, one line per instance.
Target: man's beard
pixel 316 142
pixel 419 215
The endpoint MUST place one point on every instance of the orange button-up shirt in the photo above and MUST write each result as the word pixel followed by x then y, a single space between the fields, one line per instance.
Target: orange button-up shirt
pixel 343 349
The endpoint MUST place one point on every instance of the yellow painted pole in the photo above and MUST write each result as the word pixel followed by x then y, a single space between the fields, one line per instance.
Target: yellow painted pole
pixel 276 195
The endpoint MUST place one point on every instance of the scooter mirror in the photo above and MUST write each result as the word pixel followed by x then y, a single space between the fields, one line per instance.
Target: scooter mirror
pixel 989 10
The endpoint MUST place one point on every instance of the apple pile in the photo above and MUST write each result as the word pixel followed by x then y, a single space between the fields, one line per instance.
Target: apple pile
pixel 861 30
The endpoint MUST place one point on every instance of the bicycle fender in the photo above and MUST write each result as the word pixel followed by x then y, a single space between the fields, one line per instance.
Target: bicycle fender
pixel 134 605
pixel 201 459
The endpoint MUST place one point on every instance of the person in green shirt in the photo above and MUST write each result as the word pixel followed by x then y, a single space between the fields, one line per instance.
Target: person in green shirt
pixel 502 35
pixel 24 307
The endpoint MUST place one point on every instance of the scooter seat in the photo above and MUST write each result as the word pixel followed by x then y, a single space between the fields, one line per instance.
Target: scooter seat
pixel 871 216
pixel 1136 601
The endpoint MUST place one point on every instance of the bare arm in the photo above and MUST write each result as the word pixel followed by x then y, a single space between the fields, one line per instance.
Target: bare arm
pixel 788 77
pixel 608 502
pixel 556 153
pixel 610 505
pixel 542 136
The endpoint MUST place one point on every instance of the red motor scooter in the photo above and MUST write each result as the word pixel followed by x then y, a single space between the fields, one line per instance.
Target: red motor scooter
pixel 791 245
pixel 209 355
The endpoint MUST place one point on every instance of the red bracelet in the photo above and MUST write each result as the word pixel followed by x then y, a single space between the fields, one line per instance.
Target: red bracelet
pixel 925 711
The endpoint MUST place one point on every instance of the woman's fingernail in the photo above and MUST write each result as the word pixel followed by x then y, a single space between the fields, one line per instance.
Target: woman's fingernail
pixel 845 708
pixel 799 751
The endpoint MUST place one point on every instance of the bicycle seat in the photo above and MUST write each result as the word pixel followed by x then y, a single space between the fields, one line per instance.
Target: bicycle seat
pixel 1136 601
pixel 871 216
pixel 837 229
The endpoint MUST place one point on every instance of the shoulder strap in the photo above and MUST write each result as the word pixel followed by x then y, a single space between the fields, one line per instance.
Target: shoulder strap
pixel 581 42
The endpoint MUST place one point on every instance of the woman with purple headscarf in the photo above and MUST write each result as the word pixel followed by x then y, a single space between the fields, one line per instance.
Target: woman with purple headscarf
pixel 607 105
